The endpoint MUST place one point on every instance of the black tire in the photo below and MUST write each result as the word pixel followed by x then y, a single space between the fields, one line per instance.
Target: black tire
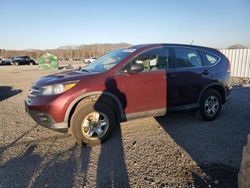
pixel 204 104
pixel 84 108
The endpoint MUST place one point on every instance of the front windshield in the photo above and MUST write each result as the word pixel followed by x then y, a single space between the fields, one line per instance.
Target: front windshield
pixel 108 61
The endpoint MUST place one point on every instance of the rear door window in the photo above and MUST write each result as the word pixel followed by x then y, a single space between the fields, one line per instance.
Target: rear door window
pixel 209 59
pixel 187 57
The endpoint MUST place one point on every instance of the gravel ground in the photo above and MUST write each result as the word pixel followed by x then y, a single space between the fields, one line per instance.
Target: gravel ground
pixel 179 150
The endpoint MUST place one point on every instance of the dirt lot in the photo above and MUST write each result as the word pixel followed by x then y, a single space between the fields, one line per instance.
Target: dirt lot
pixel 179 150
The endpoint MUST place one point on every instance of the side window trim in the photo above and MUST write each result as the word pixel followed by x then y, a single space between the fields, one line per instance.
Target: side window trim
pixel 171 57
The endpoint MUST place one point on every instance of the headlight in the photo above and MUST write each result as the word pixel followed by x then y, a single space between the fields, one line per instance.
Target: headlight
pixel 57 88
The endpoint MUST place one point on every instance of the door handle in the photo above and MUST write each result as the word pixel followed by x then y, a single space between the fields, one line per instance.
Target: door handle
pixel 205 72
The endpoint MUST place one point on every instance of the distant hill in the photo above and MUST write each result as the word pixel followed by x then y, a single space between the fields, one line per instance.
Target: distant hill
pixel 97 45
pixel 236 46
pixel 88 50
pixel 69 47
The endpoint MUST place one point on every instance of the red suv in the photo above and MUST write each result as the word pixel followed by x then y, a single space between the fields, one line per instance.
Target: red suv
pixel 143 80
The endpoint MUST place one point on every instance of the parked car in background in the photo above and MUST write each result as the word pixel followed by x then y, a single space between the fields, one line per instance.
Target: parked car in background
pixel 8 61
pixel 140 81
pixel 23 60
pixel 90 60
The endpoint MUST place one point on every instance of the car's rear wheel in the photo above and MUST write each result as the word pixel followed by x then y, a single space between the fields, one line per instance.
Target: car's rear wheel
pixel 210 104
pixel 92 122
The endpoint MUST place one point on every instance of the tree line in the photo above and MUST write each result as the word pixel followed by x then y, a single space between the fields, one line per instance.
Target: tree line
pixel 82 51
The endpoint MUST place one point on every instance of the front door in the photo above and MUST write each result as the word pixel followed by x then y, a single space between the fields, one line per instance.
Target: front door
pixel 147 90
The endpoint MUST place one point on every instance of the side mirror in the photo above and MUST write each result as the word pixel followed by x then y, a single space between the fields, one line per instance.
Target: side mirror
pixel 135 68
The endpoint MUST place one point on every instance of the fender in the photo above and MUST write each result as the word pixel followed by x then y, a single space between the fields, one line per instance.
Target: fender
pixel 211 85
pixel 76 100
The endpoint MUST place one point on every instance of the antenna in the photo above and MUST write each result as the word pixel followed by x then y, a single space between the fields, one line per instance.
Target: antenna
pixel 192 42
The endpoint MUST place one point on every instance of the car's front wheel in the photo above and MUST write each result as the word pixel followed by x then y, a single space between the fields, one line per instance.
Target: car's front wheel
pixel 92 122
pixel 210 105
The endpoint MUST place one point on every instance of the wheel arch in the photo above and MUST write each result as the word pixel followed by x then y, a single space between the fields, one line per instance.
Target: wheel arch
pixel 216 86
pixel 119 111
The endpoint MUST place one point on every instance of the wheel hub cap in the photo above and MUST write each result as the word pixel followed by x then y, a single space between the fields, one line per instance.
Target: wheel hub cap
pixel 211 105
pixel 95 125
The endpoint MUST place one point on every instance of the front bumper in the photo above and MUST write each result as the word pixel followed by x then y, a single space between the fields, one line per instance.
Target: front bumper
pixel 46 120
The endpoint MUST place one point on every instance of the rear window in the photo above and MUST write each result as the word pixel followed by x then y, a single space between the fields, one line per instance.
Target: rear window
pixel 209 58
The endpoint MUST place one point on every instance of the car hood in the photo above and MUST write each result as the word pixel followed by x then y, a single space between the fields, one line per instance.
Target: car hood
pixel 63 77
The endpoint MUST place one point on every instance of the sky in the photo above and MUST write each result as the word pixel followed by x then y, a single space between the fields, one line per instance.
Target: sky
pixel 44 24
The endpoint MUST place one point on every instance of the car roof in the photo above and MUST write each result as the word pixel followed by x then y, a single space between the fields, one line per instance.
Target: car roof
pixel 145 46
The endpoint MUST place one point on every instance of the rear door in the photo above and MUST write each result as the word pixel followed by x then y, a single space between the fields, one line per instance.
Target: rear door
pixel 146 90
pixel 189 75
